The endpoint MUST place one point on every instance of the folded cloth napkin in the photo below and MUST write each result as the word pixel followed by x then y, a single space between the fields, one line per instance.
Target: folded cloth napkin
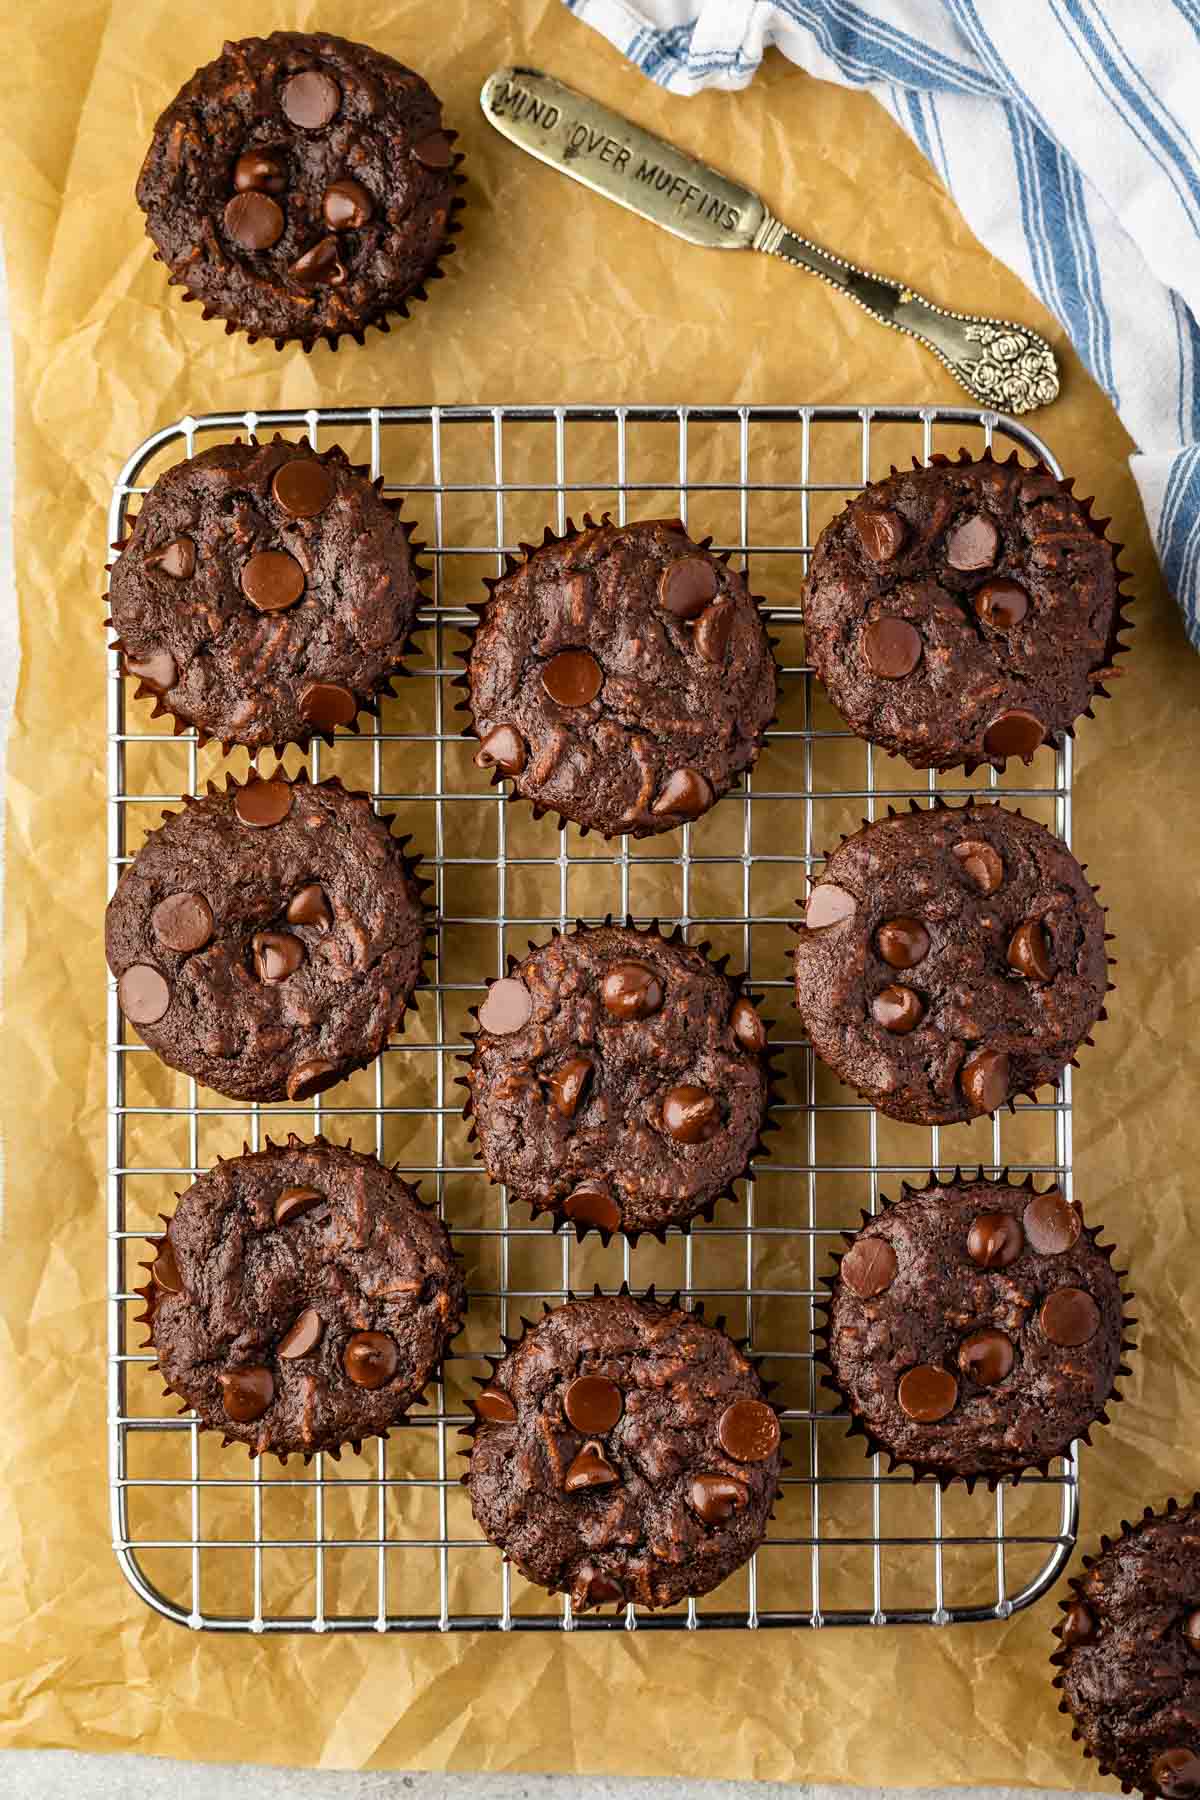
pixel 1067 131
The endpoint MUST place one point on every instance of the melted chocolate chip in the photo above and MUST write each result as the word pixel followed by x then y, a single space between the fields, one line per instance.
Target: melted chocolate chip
pixel 308 906
pixel 1029 953
pixel 1051 1223
pixel 986 1356
pixel 829 904
pixel 264 170
pixel 691 1115
pixel 503 747
pixel 1070 1317
pixel 347 206
pixel 593 1404
pixel 272 580
pixel 880 532
pixel 246 1393
pixel 902 943
pixel 590 1469
pixel 714 628
pixel 573 678
pixel 507 1006
pixel 927 1393
pixel 995 1240
pixel 302 1336
pixel 973 544
pixel 897 1009
pixel 686 586
pixel 869 1267
pixel 685 793
pixel 277 954
pixel 891 647
pixel 183 922
pixel 566 1085
pixel 320 264
pixel 370 1358
pixel 1001 604
pixel 1015 733
pixel 984 1079
pixel 263 803
pixel 156 669
pixel 143 994
pixel 494 1405
pixel 327 704
pixel 715 1498
pixel 748 1028
pixel 294 1202
pixel 748 1430
pixel 592 1204
pixel 164 1270
pixel 981 862
pixel 311 99
pixel 302 488
pixel 433 151
pixel 313 1077
pixel 254 220
pixel 1078 1625
pixel 631 990
pixel 176 559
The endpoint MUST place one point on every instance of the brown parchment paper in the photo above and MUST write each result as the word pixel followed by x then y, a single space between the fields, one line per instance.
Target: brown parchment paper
pixel 555 295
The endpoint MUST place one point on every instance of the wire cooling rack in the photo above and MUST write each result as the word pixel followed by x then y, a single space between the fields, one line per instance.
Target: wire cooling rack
pixel 384 1540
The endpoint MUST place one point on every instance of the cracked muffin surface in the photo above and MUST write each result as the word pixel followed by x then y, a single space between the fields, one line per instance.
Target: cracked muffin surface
pixel 624 1452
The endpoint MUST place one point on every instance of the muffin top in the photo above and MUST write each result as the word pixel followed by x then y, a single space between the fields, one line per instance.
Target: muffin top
pixel 976 1328
pixel 950 959
pixel 963 613
pixel 624 1452
pixel 301 1298
pixel 300 186
pixel 267 939
pixel 619 1080
pixel 265 594
pixel 622 677
pixel 1129 1656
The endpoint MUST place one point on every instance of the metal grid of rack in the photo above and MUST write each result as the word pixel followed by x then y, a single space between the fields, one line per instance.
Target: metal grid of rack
pixel 384 1540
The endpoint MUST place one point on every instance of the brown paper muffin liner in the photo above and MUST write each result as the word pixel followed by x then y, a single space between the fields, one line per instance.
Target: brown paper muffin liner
pixel 760 1149
pixel 1075 1584
pixel 858 1428
pixel 149 1291
pixel 1105 670
pixel 525 552
pixel 672 1303
pixel 383 689
pixel 937 804
pixel 382 321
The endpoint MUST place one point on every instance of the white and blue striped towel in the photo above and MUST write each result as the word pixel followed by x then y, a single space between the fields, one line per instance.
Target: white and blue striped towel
pixel 1067 131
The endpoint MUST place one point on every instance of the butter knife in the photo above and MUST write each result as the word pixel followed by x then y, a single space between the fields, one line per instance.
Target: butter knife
pixel 1001 364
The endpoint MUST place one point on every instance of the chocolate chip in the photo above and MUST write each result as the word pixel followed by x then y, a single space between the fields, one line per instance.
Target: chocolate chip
pixel 902 943
pixel 263 802
pixel 897 1009
pixel 973 544
pixel 311 99
pixel 505 748
pixel 183 922
pixel 164 1270
pixel 308 906
pixel 320 263
pixel 302 1336
pixel 591 1469
pixel 829 904
pixel 869 1267
pixel 303 488
pixel 371 1358
pixel 927 1393
pixel 254 220
pixel 1070 1317
pixel 263 170
pixel 685 792
pixel 995 1240
pixel 1029 953
pixel 1015 733
pixel 983 864
pixel 506 1007
pixel 593 1404
pixel 272 580
pixel 716 1498
pixel 691 1115
pixel 591 1204
pixel 880 532
pixel 313 1077
pixel 985 1078
pixel 246 1393
pixel 631 990
pixel 143 994
pixel 327 704
pixel 713 630
pixel 1051 1223
pixel 1001 604
pixel 748 1028
pixel 567 1083
pixel 156 668
pixel 603 1591
pixel 686 586
pixel 293 1202
pixel 176 559
pixel 347 205
pixel 433 150
pixel 277 954
pixel 494 1405
pixel 891 647
pixel 1177 1772
pixel 986 1356
pixel 1078 1625
pixel 1191 1631
pixel 573 678
pixel 748 1431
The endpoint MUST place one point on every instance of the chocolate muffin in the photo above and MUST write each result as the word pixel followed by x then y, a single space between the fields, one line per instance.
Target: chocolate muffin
pixel 624 1453
pixel 964 612
pixel 975 1329
pixel 620 676
pixel 267 939
pixel 618 1080
pixel 302 187
pixel 949 960
pixel 301 1298
pixel 265 594
pixel 1129 1654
